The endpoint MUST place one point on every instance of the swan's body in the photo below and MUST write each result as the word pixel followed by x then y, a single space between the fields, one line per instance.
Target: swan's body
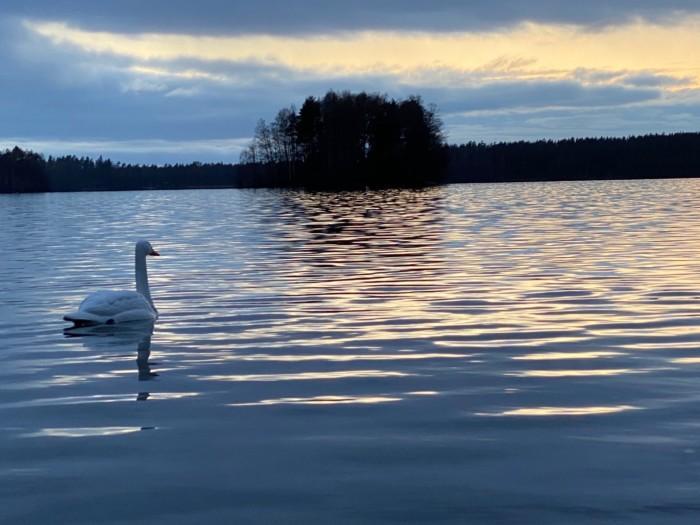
pixel 112 307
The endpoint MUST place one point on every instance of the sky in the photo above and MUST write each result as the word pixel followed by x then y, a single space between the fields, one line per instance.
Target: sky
pixel 165 81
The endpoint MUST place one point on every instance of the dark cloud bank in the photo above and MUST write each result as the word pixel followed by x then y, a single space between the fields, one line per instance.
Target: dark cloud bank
pixel 284 17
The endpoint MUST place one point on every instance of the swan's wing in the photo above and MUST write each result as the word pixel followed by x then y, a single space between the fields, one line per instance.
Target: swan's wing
pixel 140 314
pixel 108 303
pixel 82 319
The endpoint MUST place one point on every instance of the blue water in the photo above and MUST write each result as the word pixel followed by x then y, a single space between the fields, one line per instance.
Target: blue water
pixel 516 353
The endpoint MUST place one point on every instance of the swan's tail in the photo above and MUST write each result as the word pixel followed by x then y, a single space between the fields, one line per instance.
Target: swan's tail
pixel 83 319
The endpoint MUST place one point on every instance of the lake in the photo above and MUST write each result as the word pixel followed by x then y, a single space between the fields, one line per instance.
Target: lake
pixel 514 353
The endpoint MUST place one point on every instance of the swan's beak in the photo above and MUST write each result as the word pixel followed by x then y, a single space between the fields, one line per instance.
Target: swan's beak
pixel 153 252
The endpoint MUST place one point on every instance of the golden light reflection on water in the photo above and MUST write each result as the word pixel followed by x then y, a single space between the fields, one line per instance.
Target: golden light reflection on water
pixel 306 376
pixel 558 356
pixel 85 432
pixel 321 400
pixel 561 411
pixel 524 340
pixel 575 373
pixel 342 358
pixel 652 344
pixel 686 360
pixel 423 393
pixel 96 398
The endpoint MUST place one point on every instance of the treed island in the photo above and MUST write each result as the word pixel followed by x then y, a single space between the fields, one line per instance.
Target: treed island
pixel 360 140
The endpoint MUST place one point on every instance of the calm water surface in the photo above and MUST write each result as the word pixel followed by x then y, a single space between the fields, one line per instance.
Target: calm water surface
pixel 517 353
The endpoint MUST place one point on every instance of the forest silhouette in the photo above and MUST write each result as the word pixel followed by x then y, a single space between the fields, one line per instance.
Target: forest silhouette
pixel 352 140
pixel 355 141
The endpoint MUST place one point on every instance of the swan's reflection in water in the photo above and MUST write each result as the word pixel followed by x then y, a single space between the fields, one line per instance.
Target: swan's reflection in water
pixel 125 335
pixel 142 359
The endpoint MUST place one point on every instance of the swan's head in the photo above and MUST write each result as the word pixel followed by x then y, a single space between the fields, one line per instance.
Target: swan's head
pixel 144 248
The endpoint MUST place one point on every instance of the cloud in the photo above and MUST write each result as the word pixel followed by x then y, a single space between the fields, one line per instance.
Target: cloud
pixel 538 95
pixel 656 80
pixel 183 92
pixel 282 17
pixel 527 51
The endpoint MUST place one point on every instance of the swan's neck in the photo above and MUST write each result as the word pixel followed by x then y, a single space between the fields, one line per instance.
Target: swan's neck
pixel 142 278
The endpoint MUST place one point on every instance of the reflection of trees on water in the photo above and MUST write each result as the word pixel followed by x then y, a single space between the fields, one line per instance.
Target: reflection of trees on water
pixel 386 223
pixel 114 337
pixel 344 250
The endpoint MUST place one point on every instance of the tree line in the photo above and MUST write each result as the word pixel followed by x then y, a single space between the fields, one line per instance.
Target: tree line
pixel 643 157
pixel 25 171
pixel 345 140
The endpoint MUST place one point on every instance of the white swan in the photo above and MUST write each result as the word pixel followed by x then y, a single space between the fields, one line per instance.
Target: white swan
pixel 111 307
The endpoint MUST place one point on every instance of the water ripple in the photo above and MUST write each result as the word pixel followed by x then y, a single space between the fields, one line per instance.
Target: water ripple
pixel 519 342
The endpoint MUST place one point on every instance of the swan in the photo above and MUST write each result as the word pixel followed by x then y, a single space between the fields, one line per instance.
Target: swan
pixel 112 307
